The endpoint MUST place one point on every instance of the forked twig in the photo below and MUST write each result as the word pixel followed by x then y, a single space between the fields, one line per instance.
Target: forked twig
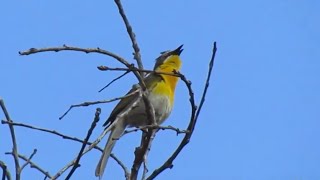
pixel 29 159
pixel 33 165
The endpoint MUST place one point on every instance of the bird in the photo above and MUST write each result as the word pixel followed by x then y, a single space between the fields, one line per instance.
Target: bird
pixel 131 111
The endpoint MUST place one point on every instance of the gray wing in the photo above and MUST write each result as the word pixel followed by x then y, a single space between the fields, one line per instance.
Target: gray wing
pixel 127 102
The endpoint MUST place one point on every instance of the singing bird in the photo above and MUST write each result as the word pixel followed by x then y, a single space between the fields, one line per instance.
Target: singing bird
pixel 161 95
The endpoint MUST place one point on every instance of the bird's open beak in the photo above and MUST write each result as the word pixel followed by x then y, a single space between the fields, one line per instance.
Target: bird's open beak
pixel 178 51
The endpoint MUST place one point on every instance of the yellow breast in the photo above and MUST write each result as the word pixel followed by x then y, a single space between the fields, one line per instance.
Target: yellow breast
pixel 166 88
pixel 168 85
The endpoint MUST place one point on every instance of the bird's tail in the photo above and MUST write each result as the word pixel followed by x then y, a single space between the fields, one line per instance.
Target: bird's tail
pixel 115 134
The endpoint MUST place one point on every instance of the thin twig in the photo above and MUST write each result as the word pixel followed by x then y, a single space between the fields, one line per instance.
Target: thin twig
pixel 28 160
pixel 93 125
pixel 33 165
pixel 119 77
pixel 95 102
pixel 193 120
pixel 50 132
pixel 13 138
pixel 106 68
pixel 125 169
pixel 177 130
pixel 131 34
pixel 207 82
pixel 5 172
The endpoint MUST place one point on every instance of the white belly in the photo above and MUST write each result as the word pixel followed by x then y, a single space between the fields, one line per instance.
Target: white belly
pixel 138 116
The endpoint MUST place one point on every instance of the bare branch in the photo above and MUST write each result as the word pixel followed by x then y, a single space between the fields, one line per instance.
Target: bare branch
pixel 71 48
pixel 13 138
pixel 96 102
pixel 93 125
pixel 5 172
pixel 194 117
pixel 131 34
pixel 32 164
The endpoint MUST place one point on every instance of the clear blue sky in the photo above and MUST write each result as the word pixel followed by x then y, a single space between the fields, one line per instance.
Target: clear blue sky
pixel 261 118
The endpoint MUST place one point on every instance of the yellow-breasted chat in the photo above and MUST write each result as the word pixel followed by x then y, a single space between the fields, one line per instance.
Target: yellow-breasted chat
pixel 161 89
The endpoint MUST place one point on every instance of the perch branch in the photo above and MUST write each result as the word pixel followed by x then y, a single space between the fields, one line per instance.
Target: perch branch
pixel 143 128
pixel 105 68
